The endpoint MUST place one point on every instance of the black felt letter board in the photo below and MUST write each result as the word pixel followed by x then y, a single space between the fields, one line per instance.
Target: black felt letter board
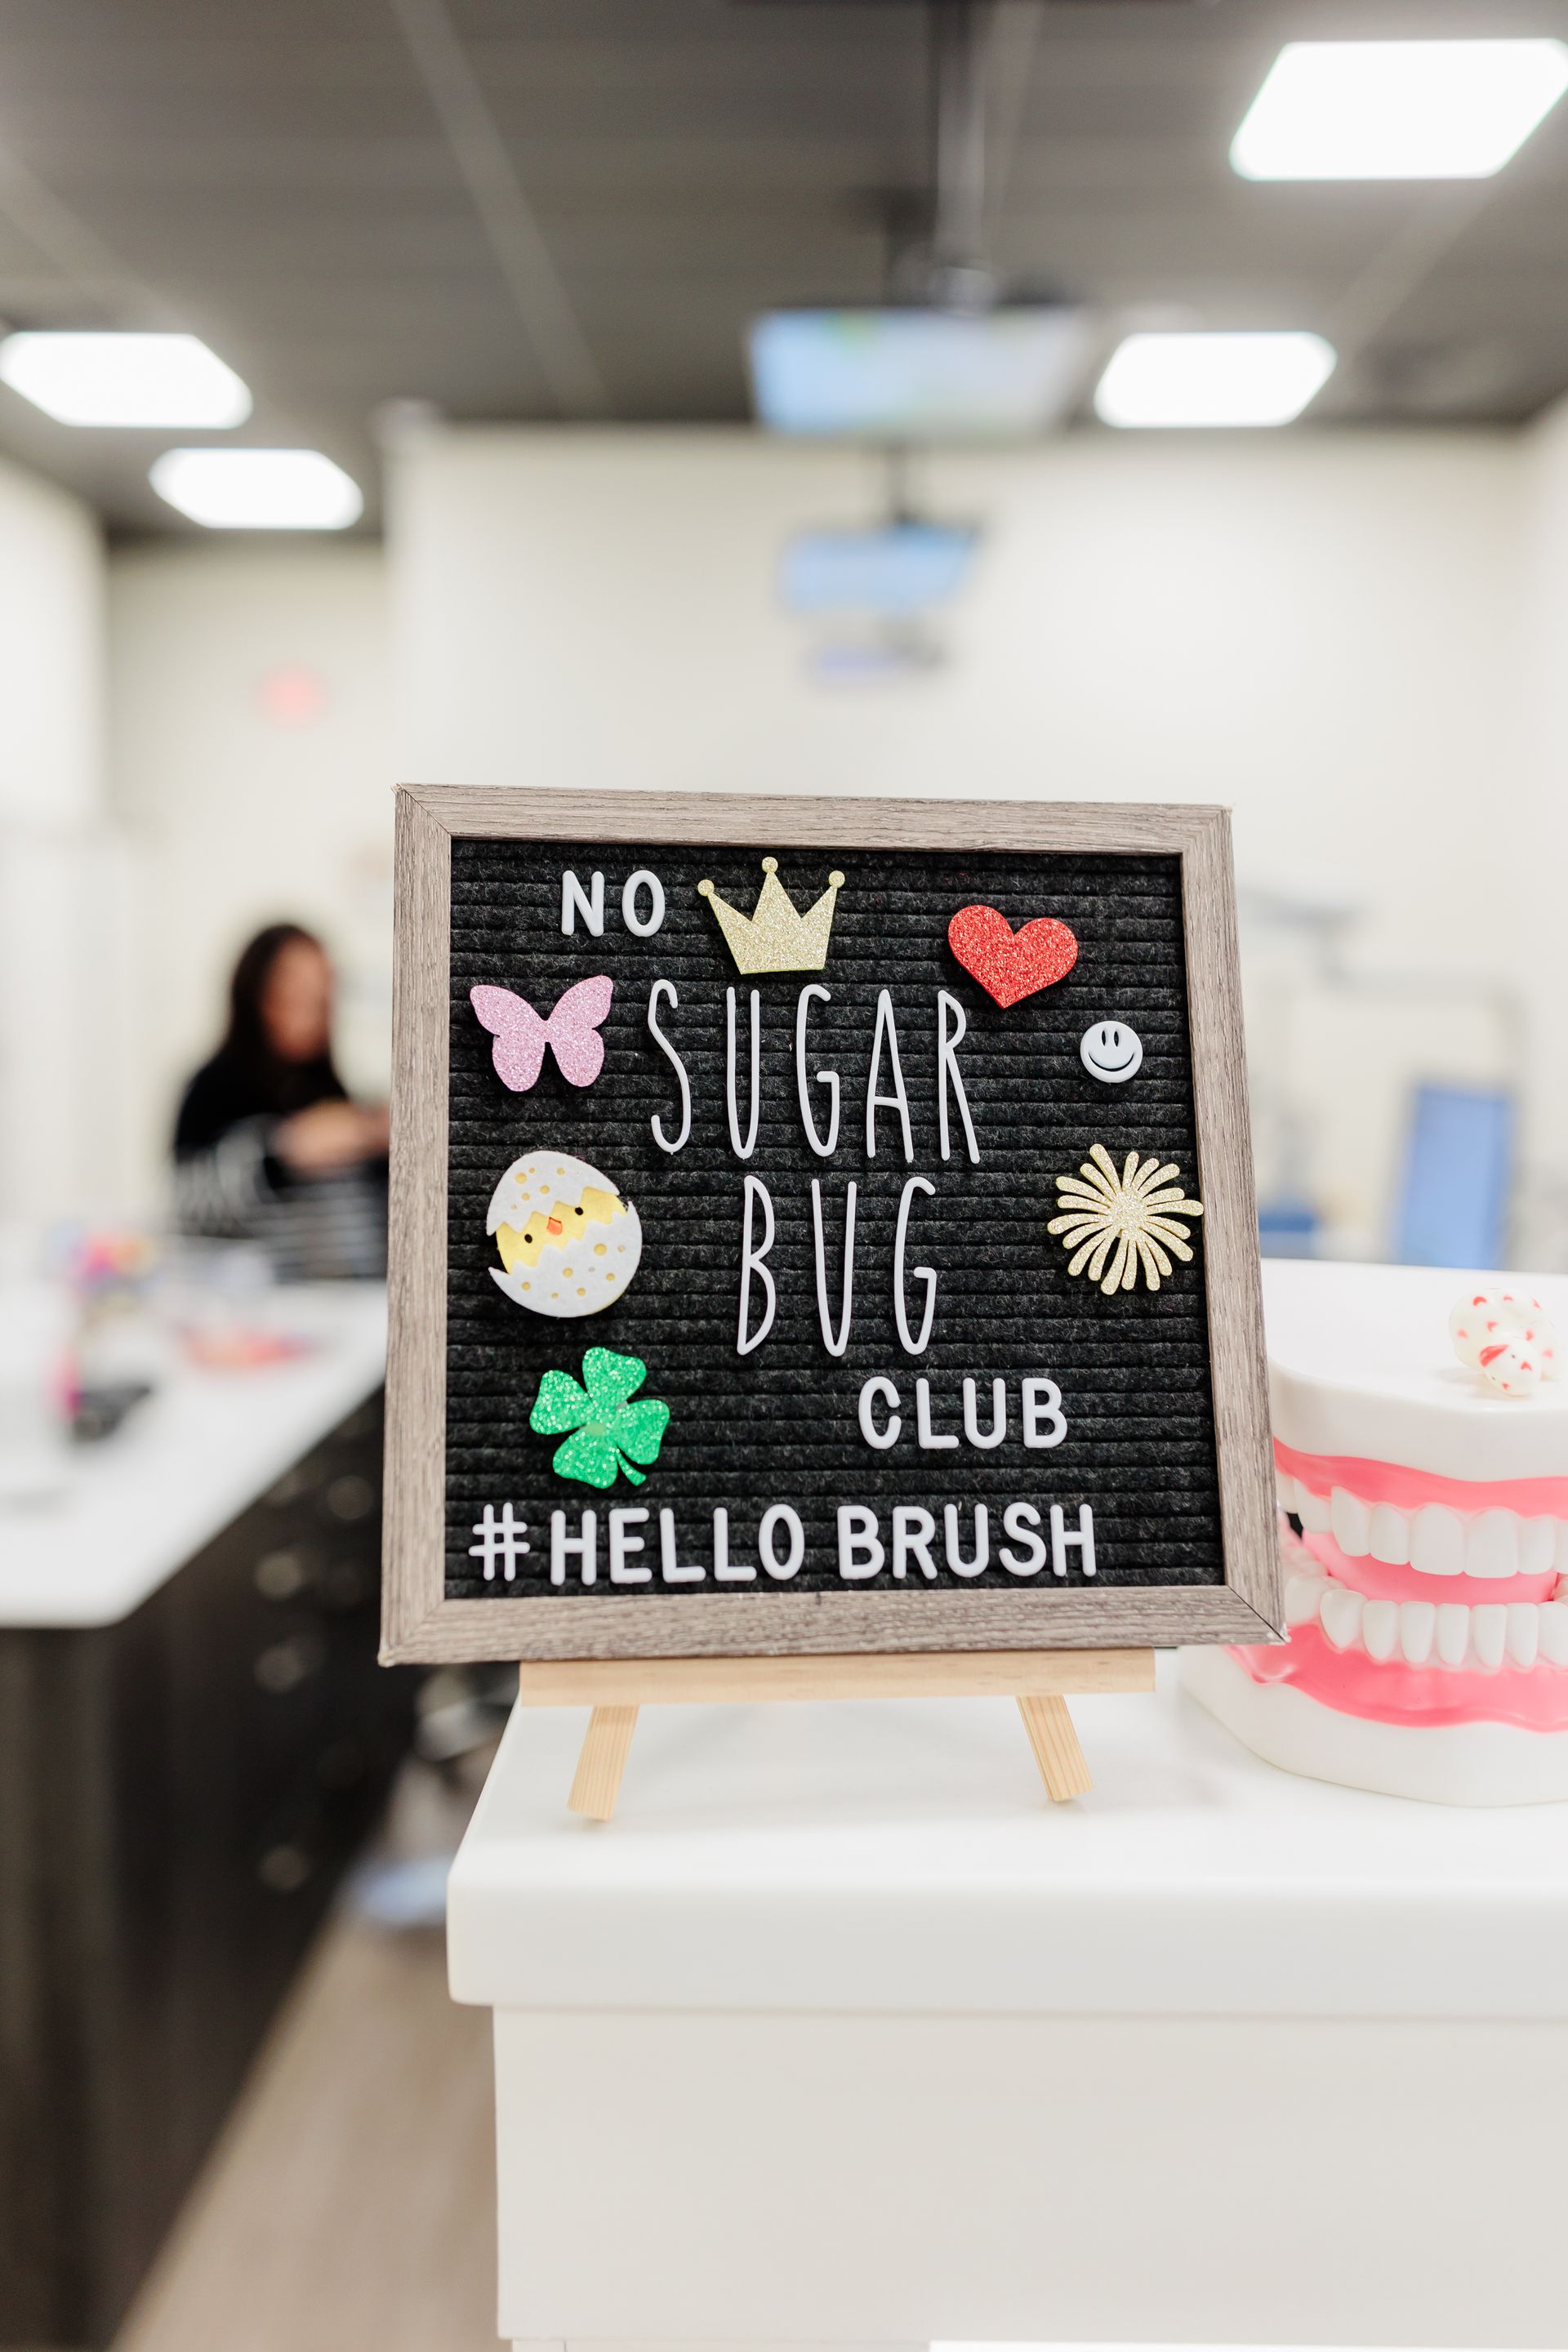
pixel 782 1425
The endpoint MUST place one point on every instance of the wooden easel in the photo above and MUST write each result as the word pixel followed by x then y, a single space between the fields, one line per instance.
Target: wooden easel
pixel 1042 1681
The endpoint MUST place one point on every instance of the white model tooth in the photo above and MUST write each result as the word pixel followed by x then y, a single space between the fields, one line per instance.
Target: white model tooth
pixel 1303 1594
pixel 1560 1549
pixel 1523 1632
pixel 1453 1632
pixel 1417 1623
pixel 1285 1490
pixel 1380 1628
pixel 1488 1634
pixel 1537 1544
pixel 1312 1510
pixel 1342 1615
pixel 1491 1545
pixel 1350 1521
pixel 1390 1534
pixel 1553 1618
pixel 1437 1541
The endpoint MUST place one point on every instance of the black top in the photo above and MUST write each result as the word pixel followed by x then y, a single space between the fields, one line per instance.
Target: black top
pixel 222 1093
pixel 231 1185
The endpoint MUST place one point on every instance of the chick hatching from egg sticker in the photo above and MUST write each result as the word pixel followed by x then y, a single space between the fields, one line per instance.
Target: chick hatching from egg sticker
pixel 569 1243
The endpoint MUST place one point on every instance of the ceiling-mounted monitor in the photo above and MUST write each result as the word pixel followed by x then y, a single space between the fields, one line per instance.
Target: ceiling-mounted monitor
pixel 892 568
pixel 918 374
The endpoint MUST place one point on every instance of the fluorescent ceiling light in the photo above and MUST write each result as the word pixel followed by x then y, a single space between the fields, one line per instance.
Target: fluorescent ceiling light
pixel 1213 378
pixel 257 490
pixel 1397 110
pixel 132 379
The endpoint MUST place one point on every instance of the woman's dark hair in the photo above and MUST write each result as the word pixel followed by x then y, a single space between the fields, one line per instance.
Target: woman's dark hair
pixel 245 1056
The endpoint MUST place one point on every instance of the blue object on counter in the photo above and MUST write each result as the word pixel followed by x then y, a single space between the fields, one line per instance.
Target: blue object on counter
pixel 1452 1204
pixel 1288 1227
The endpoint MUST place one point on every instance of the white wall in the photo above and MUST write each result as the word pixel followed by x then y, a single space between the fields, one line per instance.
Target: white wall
pixel 51 654
pixel 1538 882
pixel 1352 638
pixel 1321 630
pixel 243 814
pixel 60 1008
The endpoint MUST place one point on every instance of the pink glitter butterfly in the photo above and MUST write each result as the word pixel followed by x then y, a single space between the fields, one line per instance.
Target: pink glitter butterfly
pixel 572 1033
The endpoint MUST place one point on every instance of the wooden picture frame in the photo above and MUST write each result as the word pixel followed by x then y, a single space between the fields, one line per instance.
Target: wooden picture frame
pixel 421 1623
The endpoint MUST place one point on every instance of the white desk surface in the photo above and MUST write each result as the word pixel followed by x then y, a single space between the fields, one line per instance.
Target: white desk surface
pixel 901 1856
pixel 187 1461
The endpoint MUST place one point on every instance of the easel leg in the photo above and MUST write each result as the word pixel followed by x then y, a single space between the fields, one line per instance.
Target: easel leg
pixel 602 1763
pixel 1056 1751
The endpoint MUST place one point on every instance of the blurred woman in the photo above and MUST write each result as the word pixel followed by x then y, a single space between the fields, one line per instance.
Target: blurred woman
pixel 267 1145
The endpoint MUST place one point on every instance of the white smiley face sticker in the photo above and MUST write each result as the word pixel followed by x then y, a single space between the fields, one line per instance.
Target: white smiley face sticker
pixel 1111 1051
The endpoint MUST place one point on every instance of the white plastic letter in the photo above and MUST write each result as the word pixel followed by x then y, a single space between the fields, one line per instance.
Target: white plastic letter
pixel 779 1515
pixel 998 1429
pixel 1044 1426
pixel 642 880
pixel 742 1151
pixel 925 1274
pixel 828 1079
pixel 752 1263
pixel 1061 1542
pixel 623 1544
pixel 576 901
pixel 878 1385
pixel 956 1560
pixel 931 1440
pixel 897 1101
pixel 947 1075
pixel 912 1531
pixel 861 1553
pixel 673 1570
pixel 666 988
pixel 1021 1519
pixel 725 1570
pixel 834 1344
pixel 584 1545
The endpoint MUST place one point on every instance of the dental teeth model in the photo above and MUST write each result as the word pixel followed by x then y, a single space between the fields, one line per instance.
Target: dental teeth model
pixel 1426 1592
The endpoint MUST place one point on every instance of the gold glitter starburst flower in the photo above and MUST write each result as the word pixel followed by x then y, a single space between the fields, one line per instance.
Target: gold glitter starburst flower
pixel 1133 1214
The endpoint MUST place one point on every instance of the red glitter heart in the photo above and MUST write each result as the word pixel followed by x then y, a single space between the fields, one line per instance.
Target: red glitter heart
pixel 1009 964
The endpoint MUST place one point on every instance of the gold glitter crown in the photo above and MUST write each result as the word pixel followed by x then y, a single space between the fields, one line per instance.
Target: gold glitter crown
pixel 777 939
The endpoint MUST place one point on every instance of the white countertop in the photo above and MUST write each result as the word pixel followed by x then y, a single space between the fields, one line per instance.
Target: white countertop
pixel 187 1461
pixel 902 1857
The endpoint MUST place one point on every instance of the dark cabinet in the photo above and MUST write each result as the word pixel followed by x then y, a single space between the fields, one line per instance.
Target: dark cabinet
pixel 179 1795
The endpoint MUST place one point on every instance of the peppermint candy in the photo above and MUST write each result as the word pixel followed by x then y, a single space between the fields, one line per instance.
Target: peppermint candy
pixel 1507 1337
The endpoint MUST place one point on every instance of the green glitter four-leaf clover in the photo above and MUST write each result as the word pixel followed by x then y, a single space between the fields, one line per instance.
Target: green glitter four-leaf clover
pixel 607 1428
